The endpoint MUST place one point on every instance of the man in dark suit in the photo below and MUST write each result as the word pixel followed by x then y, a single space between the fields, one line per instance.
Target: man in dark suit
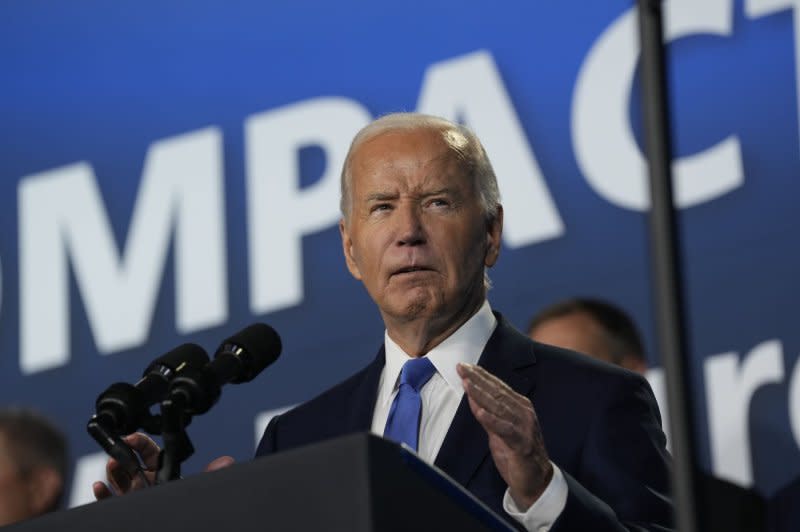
pixel 546 438
pixel 606 438
pixel 422 221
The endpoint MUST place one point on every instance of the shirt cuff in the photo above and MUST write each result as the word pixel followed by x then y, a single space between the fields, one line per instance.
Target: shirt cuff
pixel 544 512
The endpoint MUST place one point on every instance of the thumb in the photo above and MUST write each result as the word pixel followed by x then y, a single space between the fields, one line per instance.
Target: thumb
pixel 101 491
pixel 219 463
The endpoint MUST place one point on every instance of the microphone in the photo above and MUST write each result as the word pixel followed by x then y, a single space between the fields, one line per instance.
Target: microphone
pixel 123 408
pixel 240 358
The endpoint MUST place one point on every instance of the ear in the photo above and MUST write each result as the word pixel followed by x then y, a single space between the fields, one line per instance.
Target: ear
pixel 494 231
pixel 45 487
pixel 347 248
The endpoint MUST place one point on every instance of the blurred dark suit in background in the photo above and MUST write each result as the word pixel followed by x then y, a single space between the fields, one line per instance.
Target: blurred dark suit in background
pixel 605 332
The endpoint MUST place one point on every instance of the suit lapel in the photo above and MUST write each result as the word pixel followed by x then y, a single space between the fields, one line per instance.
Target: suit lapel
pixel 509 356
pixel 364 395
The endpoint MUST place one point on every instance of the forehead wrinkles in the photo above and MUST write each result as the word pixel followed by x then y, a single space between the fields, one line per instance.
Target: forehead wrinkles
pixel 408 172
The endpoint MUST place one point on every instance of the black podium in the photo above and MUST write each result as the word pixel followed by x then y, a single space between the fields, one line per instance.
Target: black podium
pixel 351 484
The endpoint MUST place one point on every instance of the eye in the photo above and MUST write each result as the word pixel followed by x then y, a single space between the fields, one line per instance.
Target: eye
pixel 439 202
pixel 378 207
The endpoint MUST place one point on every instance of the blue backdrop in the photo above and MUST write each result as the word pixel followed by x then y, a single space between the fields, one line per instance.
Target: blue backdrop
pixel 125 125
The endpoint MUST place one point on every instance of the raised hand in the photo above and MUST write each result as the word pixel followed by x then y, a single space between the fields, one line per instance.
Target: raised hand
pixel 515 438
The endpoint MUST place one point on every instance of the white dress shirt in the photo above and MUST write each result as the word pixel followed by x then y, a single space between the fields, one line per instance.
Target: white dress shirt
pixel 441 396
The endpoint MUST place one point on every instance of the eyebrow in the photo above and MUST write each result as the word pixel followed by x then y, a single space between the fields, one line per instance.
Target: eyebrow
pixel 439 192
pixel 381 196
pixel 385 196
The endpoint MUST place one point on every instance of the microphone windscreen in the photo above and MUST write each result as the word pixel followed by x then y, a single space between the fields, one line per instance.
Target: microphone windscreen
pixel 260 345
pixel 190 354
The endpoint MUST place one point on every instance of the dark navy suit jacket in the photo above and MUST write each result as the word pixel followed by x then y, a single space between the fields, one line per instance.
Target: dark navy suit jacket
pixel 601 426
pixel 783 509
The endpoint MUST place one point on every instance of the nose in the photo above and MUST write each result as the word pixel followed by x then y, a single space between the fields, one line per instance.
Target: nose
pixel 410 231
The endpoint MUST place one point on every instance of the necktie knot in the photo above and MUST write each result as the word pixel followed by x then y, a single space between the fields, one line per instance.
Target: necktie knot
pixel 416 372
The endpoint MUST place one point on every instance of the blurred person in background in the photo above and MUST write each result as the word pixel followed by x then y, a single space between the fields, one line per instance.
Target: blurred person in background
pixel 33 465
pixel 605 332
pixel 593 327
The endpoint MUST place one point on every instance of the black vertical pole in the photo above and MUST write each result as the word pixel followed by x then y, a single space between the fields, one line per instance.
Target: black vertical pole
pixel 666 264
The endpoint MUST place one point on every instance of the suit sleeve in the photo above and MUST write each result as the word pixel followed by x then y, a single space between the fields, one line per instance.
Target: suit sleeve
pixel 623 479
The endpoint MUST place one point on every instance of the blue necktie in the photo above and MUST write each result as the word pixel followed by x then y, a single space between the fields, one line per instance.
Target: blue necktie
pixel 403 422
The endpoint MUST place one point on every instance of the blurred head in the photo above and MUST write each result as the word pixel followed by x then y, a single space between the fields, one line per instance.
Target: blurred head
pixel 593 327
pixel 33 465
pixel 421 217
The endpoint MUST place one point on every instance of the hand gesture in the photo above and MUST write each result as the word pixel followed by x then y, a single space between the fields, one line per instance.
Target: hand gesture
pixel 515 438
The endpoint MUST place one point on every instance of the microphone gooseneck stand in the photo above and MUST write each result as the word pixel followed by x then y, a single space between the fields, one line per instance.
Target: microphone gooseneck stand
pixel 177 445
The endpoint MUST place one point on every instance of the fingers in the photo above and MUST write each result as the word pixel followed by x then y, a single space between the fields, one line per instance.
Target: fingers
pixel 120 480
pixel 491 393
pixel 499 409
pixel 219 463
pixel 101 491
pixel 494 424
pixel 144 445
pixel 488 407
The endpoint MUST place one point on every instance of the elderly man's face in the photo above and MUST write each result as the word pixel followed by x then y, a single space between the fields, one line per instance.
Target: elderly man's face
pixel 416 235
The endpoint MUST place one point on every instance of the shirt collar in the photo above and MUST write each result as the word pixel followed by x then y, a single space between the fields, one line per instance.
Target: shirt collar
pixel 464 345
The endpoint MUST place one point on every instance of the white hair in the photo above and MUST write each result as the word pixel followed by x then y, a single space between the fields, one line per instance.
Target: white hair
pixel 460 139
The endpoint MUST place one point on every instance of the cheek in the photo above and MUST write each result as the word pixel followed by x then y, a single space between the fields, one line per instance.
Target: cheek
pixel 472 248
pixel 368 258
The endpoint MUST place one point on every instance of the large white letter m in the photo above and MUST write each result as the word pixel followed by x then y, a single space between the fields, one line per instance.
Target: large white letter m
pixel 62 217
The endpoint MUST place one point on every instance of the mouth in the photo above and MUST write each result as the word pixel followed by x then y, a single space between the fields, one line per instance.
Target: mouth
pixel 411 269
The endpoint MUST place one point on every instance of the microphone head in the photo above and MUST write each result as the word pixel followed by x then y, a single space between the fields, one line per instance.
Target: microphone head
pixel 191 355
pixel 256 346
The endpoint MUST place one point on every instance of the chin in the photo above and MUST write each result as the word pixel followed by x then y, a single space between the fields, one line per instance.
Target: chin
pixel 416 310
pixel 417 305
